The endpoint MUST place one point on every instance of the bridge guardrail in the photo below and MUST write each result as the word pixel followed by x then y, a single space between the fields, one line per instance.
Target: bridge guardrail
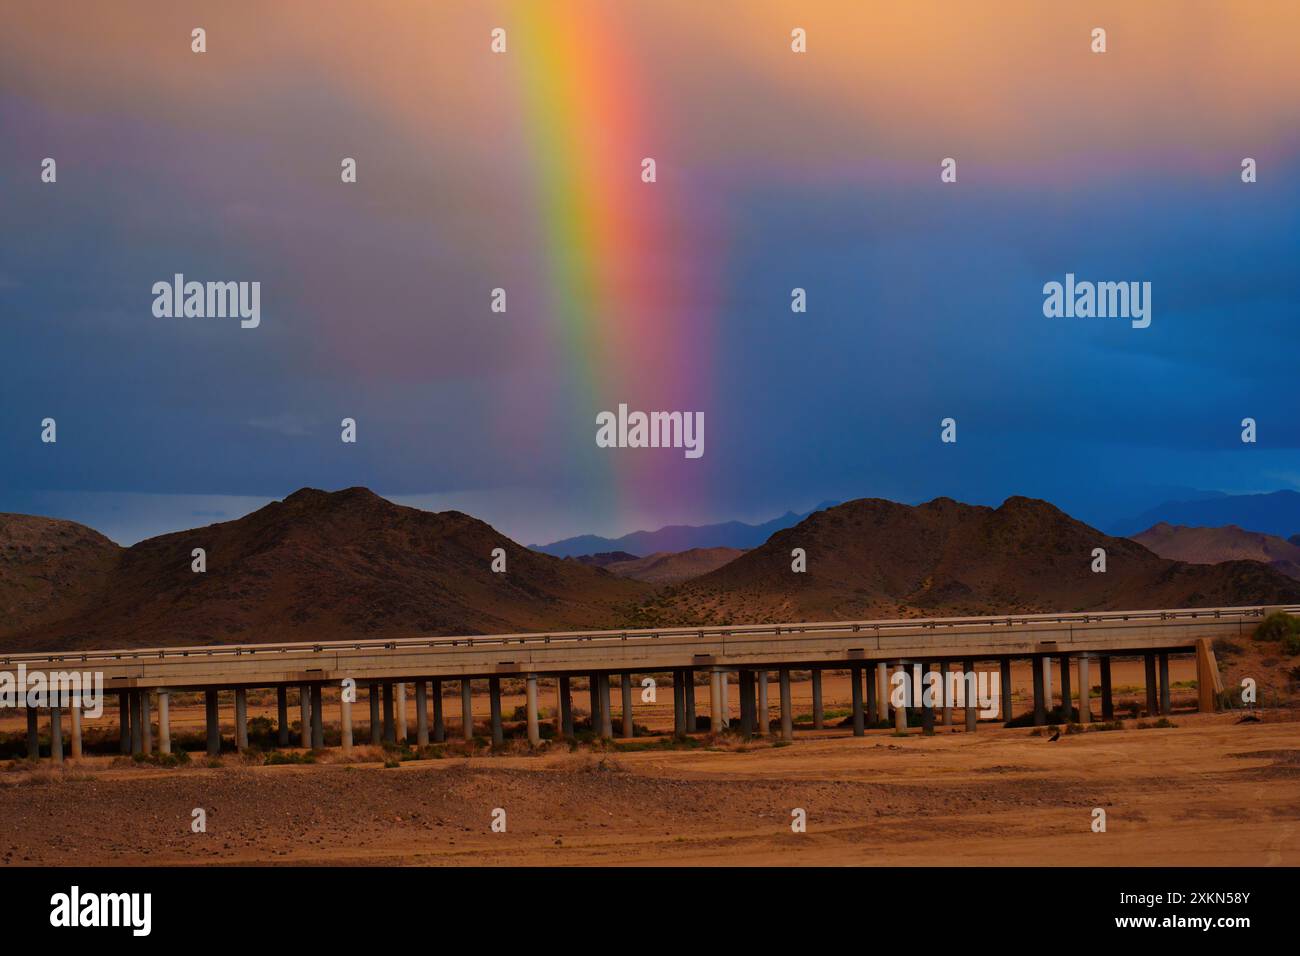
pixel 723 631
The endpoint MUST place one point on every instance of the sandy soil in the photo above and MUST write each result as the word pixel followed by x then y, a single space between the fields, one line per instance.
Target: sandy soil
pixel 1208 791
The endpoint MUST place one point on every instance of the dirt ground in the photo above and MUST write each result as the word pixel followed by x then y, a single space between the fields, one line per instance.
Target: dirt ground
pixel 1206 791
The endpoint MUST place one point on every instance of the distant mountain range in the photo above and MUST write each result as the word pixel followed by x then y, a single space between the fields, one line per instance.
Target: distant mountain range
pixel 872 558
pixel 675 538
pixel 665 567
pixel 1275 513
pixel 1215 545
pixel 350 564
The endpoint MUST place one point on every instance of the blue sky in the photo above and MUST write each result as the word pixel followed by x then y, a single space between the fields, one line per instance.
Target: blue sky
pixel 925 299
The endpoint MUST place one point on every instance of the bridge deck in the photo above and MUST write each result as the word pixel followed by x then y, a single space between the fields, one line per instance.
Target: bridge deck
pixel 641 651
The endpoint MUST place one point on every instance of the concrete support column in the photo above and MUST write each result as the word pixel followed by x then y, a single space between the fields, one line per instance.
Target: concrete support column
pixel 679 703
pixel 972 695
pixel 376 722
pixel 1166 707
pixel 715 700
pixel 345 720
pixel 33 735
pixel 399 693
pixel 1107 698
pixel 467 708
pixel 764 709
pixel 859 720
pixel 688 694
pixel 494 701
pixel 212 721
pixel 1067 692
pixel 146 724
pixel 317 718
pixel 1048 700
pixel 870 675
pixel 625 686
pixel 1149 662
pixel 1209 685
pixel 900 713
pixel 534 724
pixel 787 708
pixel 1004 689
pixel 1040 694
pixel 946 714
pixel 421 713
pixel 745 684
pixel 304 716
pixel 137 734
pixel 818 714
pixel 725 686
pixel 882 692
pixel 566 708
pixel 282 715
pixel 1085 690
pixel 439 726
pixel 390 727
pixel 606 716
pixel 241 719
pixel 56 734
pixel 76 728
pixel 927 709
pixel 124 722
pixel 593 693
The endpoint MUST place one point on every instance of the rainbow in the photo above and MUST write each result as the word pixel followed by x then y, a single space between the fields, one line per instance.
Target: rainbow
pixel 610 251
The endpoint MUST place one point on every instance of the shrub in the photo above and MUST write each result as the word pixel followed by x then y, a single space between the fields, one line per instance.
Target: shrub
pixel 1277 627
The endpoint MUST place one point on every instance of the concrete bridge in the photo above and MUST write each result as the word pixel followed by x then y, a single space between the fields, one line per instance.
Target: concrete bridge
pixel 383 669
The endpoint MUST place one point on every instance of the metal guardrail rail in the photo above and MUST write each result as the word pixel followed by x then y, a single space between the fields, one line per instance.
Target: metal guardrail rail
pixel 724 631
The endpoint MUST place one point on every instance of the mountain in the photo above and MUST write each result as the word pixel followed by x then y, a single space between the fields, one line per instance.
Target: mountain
pixel 676 538
pixel 604 559
pixel 1276 513
pixel 669 567
pixel 49 569
pixel 1215 545
pixel 321 565
pixel 876 558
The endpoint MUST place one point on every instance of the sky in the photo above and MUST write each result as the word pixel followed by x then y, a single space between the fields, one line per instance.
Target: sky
pixel 523 171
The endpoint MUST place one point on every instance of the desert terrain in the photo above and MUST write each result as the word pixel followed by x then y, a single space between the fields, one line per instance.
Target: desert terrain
pixel 1209 790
